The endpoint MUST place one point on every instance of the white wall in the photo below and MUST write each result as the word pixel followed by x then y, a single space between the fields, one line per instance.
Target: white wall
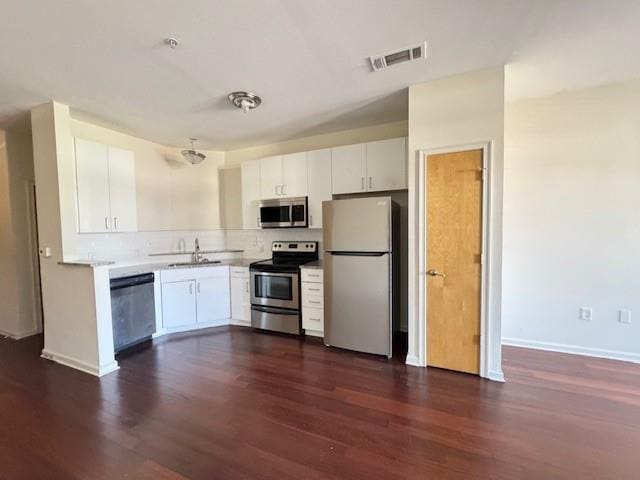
pixel 572 221
pixel 20 312
pixel 465 109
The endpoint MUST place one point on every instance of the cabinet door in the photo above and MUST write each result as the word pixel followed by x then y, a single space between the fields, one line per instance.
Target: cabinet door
pixel 92 176
pixel 387 165
pixel 213 302
pixel 349 168
pixel 270 177
pixel 250 172
pixel 179 304
pixel 319 174
pixel 239 298
pixel 122 190
pixel 294 175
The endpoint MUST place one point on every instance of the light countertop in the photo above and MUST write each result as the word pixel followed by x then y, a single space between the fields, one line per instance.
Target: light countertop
pixel 142 268
pixel 317 265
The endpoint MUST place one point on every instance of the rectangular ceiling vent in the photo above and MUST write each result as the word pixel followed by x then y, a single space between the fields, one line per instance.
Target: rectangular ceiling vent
pixel 380 62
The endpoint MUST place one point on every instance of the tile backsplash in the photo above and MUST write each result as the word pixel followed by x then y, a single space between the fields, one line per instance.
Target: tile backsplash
pixel 129 246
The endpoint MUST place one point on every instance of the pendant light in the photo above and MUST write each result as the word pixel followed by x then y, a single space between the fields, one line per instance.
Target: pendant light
pixel 191 155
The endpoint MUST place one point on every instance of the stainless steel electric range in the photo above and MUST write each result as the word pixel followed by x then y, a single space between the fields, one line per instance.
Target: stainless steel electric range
pixel 275 286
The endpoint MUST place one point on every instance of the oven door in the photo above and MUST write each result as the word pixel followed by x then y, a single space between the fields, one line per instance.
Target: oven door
pixel 274 289
pixel 275 213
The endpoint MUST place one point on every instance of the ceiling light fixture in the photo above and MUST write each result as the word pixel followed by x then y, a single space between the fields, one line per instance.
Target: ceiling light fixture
pixel 191 155
pixel 245 100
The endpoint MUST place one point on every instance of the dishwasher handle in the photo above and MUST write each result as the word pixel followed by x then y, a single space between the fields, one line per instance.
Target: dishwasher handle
pixel 131 281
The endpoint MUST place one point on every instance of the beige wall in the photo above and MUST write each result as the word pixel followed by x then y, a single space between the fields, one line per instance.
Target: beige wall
pixel 20 312
pixel 234 158
pixel 460 110
pixel 171 193
pixel 572 221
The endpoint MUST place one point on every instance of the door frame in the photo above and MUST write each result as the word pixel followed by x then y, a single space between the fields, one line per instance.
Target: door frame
pixel 486 326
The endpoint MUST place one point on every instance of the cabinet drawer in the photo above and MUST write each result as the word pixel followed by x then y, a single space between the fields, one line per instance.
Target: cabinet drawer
pixel 313 319
pixel 309 288
pixel 311 275
pixel 240 272
pixel 313 301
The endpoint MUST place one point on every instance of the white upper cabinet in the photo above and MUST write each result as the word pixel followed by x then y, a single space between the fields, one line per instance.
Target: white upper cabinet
pixel 387 165
pixel 283 176
pixel 319 184
pixel 349 168
pixel 92 174
pixel 294 175
pixel 122 188
pixel 106 188
pixel 370 167
pixel 270 177
pixel 251 192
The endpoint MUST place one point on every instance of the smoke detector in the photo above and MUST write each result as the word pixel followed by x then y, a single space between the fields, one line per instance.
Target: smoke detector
pixel 380 62
pixel 245 100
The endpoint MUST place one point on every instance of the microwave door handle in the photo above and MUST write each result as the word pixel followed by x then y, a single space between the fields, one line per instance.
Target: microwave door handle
pixel 291 213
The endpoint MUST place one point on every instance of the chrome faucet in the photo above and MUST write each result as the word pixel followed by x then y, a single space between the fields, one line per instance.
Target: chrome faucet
pixel 196 252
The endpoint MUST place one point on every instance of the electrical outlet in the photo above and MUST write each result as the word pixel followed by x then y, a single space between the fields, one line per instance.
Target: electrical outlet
pixel 586 314
pixel 624 316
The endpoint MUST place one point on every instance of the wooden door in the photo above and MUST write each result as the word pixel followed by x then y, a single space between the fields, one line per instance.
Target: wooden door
pixel 454 248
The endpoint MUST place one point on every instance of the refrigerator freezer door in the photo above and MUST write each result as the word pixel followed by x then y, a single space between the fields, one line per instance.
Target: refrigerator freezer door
pixel 357 302
pixel 357 225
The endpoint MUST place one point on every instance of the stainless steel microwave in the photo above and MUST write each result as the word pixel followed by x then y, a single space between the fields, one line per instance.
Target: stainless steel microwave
pixel 284 213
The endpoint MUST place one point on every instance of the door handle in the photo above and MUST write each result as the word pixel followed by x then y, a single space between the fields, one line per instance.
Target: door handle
pixel 115 223
pixel 198 287
pixel 191 289
pixel 361 183
pixel 370 186
pixel 435 273
pixel 106 223
pixel 246 287
pixel 310 220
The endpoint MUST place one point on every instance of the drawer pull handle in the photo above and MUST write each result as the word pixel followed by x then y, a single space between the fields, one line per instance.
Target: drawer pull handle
pixel 314 301
pixel 314 289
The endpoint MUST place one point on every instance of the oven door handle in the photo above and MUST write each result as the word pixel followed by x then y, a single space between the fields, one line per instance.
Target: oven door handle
pixel 279 311
pixel 256 273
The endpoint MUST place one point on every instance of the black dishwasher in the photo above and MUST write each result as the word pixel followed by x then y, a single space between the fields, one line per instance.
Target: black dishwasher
pixel 133 310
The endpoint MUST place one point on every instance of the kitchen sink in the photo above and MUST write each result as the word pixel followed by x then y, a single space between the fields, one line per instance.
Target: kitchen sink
pixel 194 264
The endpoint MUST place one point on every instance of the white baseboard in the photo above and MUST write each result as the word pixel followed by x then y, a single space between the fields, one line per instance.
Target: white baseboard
pixel 197 326
pixel 240 323
pixel 413 360
pixel 314 333
pixel 573 349
pixel 95 370
pixel 496 376
pixel 20 335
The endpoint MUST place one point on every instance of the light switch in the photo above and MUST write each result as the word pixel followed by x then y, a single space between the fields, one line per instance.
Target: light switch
pixel 586 314
pixel 624 316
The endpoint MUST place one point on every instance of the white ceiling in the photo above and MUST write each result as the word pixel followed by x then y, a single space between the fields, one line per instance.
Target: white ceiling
pixel 306 58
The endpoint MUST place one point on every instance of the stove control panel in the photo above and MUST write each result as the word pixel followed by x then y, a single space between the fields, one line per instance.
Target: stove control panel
pixel 302 247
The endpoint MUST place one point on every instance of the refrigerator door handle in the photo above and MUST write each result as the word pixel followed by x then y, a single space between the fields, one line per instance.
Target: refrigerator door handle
pixel 356 254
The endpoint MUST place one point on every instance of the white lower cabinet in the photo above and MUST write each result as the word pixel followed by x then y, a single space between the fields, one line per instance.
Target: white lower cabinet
pixel 178 304
pixel 240 295
pixel 194 297
pixel 312 301
pixel 212 299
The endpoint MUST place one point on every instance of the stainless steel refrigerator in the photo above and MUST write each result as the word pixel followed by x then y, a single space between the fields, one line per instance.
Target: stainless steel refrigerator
pixel 360 273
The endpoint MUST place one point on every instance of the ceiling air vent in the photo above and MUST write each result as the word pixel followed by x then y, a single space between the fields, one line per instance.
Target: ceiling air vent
pixel 380 62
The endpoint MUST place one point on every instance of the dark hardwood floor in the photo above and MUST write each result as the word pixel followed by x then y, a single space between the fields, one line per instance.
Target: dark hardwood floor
pixel 233 403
